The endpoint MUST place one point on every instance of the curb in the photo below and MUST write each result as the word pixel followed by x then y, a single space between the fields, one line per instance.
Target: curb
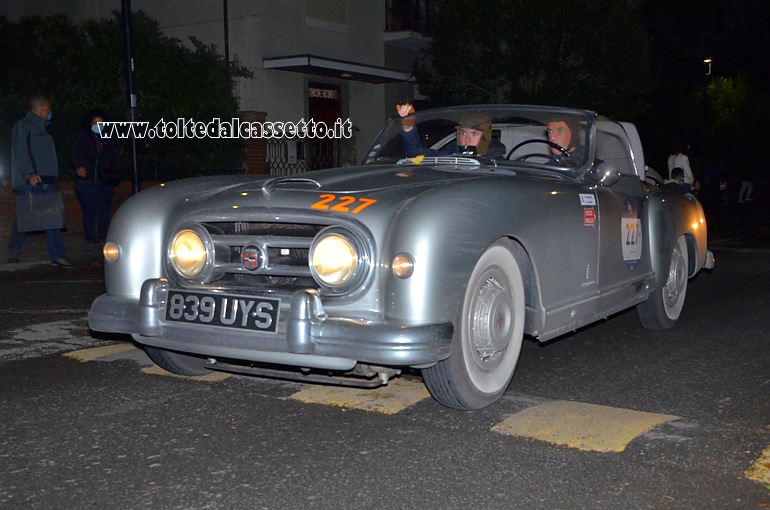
pixel 35 252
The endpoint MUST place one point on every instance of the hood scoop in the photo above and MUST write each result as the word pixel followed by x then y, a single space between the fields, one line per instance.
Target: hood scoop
pixel 281 183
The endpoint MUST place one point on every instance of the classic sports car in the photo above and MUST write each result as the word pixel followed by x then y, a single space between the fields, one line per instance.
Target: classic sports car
pixel 442 261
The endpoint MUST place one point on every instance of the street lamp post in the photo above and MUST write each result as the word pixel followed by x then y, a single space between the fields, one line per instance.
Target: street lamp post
pixel 707 61
pixel 130 89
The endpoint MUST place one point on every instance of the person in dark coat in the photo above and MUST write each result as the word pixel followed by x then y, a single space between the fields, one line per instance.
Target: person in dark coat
pixel 34 166
pixel 676 183
pixel 93 158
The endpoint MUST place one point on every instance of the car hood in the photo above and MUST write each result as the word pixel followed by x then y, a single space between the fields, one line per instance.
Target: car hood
pixel 389 183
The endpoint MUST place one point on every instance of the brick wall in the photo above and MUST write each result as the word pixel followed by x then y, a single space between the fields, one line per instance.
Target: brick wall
pixel 71 205
pixel 7 208
pixel 255 153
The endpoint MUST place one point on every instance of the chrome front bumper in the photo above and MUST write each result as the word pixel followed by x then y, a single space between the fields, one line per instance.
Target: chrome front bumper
pixel 306 336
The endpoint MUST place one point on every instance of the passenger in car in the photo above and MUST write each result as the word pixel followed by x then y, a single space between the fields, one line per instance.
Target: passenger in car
pixel 473 137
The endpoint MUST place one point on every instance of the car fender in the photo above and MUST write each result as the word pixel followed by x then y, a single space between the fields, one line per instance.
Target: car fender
pixel 139 227
pixel 444 247
pixel 670 216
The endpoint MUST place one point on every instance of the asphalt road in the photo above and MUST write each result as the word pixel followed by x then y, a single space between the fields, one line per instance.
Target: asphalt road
pixel 83 428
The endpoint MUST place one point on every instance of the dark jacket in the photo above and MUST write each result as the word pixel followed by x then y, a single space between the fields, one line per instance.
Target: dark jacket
pixel 32 151
pixel 578 156
pixel 95 154
pixel 673 186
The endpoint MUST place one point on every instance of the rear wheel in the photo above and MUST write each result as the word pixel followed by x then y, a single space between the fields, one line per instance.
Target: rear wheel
pixel 177 363
pixel 663 307
pixel 488 335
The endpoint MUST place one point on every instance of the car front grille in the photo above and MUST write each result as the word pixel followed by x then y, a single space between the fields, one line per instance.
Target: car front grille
pixel 283 249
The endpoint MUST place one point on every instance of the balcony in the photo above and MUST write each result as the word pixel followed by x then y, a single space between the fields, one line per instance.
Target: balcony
pixel 407 22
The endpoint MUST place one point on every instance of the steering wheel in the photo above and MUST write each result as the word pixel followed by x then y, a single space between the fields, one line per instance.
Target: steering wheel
pixel 556 146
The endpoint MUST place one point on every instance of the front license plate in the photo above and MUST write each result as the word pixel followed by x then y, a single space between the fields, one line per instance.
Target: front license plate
pixel 242 312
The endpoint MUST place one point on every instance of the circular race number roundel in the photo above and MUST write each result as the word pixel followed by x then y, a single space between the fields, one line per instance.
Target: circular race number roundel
pixel 631 234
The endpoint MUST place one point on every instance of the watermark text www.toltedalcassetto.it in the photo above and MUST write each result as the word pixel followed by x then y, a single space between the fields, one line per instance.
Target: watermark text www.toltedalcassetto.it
pixel 234 128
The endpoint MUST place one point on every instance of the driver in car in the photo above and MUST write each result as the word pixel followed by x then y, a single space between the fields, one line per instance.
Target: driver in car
pixel 565 133
pixel 473 137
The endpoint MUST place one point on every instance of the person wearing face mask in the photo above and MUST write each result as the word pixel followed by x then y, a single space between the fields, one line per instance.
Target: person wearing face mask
pixel 34 166
pixel 93 158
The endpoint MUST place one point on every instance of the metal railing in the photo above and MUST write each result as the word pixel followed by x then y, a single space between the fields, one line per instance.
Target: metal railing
pixel 291 156
pixel 410 15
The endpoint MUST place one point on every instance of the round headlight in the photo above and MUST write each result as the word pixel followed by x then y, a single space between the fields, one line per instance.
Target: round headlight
pixel 334 260
pixel 188 253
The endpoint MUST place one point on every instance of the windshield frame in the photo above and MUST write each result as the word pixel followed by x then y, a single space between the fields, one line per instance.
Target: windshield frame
pixel 436 127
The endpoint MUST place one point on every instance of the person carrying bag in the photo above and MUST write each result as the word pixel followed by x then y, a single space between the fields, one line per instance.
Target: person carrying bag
pixel 34 175
pixel 39 208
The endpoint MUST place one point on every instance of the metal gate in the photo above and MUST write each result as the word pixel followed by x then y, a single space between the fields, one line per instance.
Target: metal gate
pixel 291 156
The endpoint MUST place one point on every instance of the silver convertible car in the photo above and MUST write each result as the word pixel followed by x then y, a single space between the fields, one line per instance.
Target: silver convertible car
pixel 434 255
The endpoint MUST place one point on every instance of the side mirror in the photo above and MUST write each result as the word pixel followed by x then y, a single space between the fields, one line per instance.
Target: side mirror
pixel 603 175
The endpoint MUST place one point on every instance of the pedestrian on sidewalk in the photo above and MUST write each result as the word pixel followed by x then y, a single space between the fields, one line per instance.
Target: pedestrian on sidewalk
pixel 93 159
pixel 680 159
pixel 33 164
pixel 744 195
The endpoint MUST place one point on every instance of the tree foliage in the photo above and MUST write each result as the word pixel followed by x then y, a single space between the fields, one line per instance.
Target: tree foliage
pixel 727 100
pixel 81 66
pixel 580 53
pixel 727 106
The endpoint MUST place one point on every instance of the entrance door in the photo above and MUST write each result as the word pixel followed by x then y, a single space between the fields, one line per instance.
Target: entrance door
pixel 324 105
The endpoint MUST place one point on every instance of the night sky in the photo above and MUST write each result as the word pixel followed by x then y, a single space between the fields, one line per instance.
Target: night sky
pixel 734 34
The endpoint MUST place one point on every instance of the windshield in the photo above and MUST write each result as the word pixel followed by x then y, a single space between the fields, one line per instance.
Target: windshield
pixel 542 137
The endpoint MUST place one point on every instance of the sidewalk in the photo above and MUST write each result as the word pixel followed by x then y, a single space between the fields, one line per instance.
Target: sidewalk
pixel 35 252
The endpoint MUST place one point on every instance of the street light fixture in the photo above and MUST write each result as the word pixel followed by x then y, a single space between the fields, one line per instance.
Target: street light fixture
pixel 707 61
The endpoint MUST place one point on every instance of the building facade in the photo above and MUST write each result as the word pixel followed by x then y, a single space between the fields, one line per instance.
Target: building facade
pixel 311 59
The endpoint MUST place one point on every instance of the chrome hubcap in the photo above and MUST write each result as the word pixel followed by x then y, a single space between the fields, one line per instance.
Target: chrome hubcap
pixel 676 279
pixel 491 318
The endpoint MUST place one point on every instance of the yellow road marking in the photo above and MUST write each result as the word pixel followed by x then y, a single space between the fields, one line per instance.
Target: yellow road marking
pixel 212 377
pixel 391 399
pixel 587 427
pixel 85 355
pixel 760 469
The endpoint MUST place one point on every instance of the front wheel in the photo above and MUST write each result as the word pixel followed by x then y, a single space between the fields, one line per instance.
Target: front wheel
pixel 177 363
pixel 488 335
pixel 663 307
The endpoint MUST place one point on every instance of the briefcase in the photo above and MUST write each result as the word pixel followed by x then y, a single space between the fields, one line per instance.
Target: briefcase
pixel 39 210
